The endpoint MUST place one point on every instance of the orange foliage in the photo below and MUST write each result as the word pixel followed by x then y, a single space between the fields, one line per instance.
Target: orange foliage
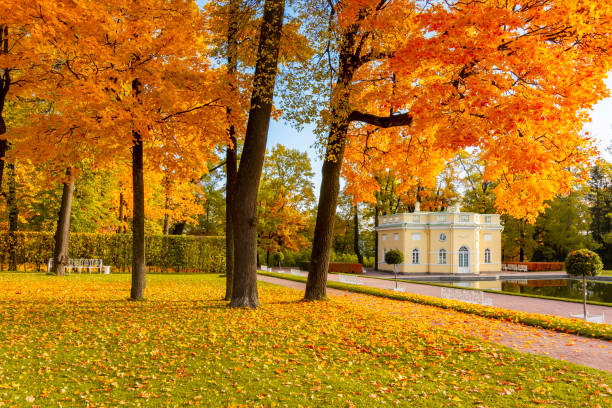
pixel 512 81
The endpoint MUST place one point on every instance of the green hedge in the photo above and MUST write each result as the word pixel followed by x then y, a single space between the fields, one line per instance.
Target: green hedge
pixel 170 253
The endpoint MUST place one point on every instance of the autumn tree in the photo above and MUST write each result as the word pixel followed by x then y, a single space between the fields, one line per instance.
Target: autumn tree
pixel 244 291
pixel 514 81
pixel 599 198
pixel 285 199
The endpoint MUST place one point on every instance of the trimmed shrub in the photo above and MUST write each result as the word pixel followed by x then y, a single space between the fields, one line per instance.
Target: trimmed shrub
pixel 583 262
pixel 164 253
pixel 394 257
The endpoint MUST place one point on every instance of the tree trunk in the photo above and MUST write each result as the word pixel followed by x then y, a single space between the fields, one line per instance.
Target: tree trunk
pixel 120 228
pixel 138 216
pixel 244 293
pixel 356 235
pixel 584 295
pixel 62 232
pixel 316 286
pixel 5 82
pixel 231 159
pixel 166 224
pixel 376 238
pixel 13 216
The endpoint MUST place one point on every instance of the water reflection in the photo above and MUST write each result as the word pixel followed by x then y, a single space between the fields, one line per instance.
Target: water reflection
pixel 565 288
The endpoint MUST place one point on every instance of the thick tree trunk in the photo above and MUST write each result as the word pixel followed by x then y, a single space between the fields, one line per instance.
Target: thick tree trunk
pixel 231 159
pixel 316 286
pixel 5 83
pixel 13 216
pixel 356 235
pixel 138 224
pixel 138 217
pixel 230 182
pixel 62 231
pixel 244 293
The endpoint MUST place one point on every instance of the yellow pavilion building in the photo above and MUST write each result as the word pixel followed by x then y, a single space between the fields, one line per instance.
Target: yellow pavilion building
pixel 441 242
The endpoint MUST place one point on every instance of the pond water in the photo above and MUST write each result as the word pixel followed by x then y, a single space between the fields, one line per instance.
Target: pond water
pixel 564 288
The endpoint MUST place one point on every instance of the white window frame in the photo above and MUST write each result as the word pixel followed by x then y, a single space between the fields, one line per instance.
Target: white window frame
pixel 487 256
pixel 396 236
pixel 442 256
pixel 416 219
pixel 487 219
pixel 415 236
pixel 442 218
pixel 384 237
pixel 416 256
pixel 464 218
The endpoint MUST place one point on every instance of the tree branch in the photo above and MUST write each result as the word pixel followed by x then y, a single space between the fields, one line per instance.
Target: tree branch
pixel 402 119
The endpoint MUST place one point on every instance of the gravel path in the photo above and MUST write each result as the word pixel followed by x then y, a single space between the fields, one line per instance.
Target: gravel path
pixel 576 349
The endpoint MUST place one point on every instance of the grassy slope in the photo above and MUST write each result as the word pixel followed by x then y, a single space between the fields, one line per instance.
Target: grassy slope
pixel 560 324
pixel 77 341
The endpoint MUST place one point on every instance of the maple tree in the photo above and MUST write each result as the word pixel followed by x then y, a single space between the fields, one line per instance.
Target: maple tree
pixel 244 211
pixel 512 80
pixel 140 73
pixel 284 201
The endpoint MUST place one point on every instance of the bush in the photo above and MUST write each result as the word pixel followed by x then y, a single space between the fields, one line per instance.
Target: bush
pixel 583 262
pixel 164 253
pixel 394 257
pixel 277 258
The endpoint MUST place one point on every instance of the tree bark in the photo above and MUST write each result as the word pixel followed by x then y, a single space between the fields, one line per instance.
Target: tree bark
pixel 166 224
pixel 316 285
pixel 584 295
pixel 138 216
pixel 62 231
pixel 231 159
pixel 376 238
pixel 356 235
pixel 120 228
pixel 5 83
pixel 244 293
pixel 13 216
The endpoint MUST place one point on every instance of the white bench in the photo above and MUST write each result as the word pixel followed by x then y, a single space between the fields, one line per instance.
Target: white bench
pixel 464 295
pixel 349 279
pixel 295 272
pixel 264 268
pixel 591 318
pixel 79 264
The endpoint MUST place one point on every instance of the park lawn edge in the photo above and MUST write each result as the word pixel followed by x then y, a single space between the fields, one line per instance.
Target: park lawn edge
pixel 531 295
pixel 559 324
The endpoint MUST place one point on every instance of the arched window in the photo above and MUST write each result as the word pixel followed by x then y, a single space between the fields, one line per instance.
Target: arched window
pixel 415 256
pixel 487 255
pixel 442 256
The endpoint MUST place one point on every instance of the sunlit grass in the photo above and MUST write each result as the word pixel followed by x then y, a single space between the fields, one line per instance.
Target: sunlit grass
pixel 77 341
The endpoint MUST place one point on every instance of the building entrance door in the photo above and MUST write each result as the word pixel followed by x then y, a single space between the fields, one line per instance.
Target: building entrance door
pixel 464 260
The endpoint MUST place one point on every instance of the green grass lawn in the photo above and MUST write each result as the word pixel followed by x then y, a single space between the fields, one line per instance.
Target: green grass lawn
pixel 77 341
